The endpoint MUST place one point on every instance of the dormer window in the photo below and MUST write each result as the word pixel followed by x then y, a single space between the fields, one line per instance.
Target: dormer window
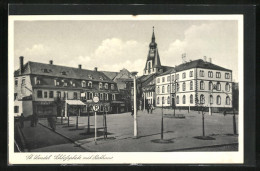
pixel 83 83
pixel 56 82
pixel 112 87
pixel 101 78
pixel 100 85
pixel 90 77
pixel 37 81
pixel 63 73
pixel 106 86
pixel 65 84
pixel 90 84
pixel 45 70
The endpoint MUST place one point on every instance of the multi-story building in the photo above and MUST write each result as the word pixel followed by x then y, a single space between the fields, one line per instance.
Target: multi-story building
pixel 195 83
pixel 124 81
pixel 45 89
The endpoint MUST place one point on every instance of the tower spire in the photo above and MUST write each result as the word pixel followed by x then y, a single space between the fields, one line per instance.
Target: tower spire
pixel 153 37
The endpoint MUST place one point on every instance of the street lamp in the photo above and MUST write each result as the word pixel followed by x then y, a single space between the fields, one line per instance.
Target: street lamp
pixel 135 119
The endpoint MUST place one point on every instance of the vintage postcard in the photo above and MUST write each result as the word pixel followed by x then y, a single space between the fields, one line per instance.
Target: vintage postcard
pixel 123 89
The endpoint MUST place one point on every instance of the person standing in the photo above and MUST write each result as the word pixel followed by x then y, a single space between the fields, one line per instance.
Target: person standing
pixel 152 108
pixel 21 119
pixel 35 119
pixel 132 111
pixel 148 108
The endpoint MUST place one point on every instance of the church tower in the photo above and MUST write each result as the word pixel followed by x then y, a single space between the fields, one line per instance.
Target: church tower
pixel 153 63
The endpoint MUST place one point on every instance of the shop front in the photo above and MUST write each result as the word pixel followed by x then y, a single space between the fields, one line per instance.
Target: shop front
pixel 45 108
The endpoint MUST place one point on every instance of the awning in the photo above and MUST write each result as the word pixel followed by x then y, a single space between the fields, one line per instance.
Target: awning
pixel 75 102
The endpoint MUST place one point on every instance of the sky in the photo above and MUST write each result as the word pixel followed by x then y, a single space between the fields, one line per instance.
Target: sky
pixel 114 45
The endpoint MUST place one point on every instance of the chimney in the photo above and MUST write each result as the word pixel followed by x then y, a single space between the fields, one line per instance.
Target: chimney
pixel 95 69
pixel 210 60
pixel 51 62
pixel 183 57
pixel 21 64
pixel 205 58
pixel 79 66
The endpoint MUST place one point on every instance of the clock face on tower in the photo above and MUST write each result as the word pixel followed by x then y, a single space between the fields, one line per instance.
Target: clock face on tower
pixel 152 52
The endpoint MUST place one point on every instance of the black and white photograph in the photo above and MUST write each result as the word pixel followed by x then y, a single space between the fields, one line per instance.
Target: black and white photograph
pixel 125 89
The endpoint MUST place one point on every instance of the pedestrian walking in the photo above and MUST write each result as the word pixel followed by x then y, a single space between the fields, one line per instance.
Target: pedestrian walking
pixel 32 120
pixel 148 108
pixel 224 113
pixel 152 109
pixel 35 119
pixel 21 120
pixel 132 111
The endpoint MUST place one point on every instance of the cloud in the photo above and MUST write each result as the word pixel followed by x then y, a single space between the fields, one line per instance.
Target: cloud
pixel 214 40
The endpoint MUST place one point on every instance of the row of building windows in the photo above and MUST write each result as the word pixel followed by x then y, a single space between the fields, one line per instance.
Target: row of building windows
pixel 201 74
pixel 46 94
pixel 202 87
pixel 202 100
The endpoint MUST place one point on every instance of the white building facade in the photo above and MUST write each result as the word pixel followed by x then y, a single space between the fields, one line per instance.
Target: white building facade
pixel 197 83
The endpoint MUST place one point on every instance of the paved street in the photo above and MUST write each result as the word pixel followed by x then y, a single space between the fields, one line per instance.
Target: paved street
pixel 38 139
pixel 178 133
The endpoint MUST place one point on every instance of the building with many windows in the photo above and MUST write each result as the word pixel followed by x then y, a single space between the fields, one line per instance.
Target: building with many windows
pixel 45 89
pixel 195 83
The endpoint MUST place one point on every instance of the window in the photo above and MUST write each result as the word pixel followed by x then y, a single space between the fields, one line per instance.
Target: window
pixel 183 86
pixel 90 77
pixel 172 77
pixel 177 76
pixel 158 80
pixel 162 89
pixel 191 85
pixel 112 86
pixel 177 87
pixel 162 100
pixel 211 99
pixel 201 73
pixel 106 96
pixel 227 100
pixel 83 83
pixel 65 84
pixel 168 89
pixel 15 96
pixel 75 95
pixel 183 99
pixel 51 94
pixel 191 99
pixel 227 75
pixel 90 84
pixel 56 82
pixel 202 85
pixel 191 73
pixel 16 109
pixel 210 85
pixel 158 90
pixel 210 74
pixel 39 94
pixel 158 100
pixel 113 97
pixel 202 99
pixel 168 99
pixel 23 81
pixel 169 78
pixel 163 79
pixel 184 75
pixel 218 100
pixel 218 86
pixel 90 96
pixel 177 100
pixel 63 73
pixel 45 94
pixel 58 94
pixel 106 86
pixel 227 87
pixel 173 88
pixel 16 82
pixel 101 96
pixel 218 75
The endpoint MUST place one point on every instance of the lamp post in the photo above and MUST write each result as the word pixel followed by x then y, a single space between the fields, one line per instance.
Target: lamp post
pixel 135 119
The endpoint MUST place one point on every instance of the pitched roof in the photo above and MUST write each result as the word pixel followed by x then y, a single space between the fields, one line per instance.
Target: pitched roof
pixel 170 71
pixel 199 63
pixel 110 74
pixel 63 72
